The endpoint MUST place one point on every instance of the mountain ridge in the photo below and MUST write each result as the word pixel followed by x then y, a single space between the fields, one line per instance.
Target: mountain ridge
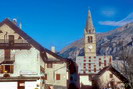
pixel 108 43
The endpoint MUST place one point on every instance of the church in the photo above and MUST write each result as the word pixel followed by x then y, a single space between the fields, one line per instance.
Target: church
pixel 91 63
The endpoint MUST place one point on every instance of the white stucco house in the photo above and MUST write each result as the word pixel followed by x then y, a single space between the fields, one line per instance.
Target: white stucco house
pixel 25 64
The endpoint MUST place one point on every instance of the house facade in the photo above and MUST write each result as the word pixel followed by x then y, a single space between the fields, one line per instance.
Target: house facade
pixel 90 64
pixel 56 73
pixel 25 64
pixel 110 78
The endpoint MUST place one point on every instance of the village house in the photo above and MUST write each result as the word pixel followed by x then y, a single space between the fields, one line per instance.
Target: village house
pixel 110 78
pixel 25 64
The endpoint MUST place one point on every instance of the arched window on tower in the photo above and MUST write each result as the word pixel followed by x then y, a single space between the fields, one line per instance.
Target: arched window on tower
pixel 90 39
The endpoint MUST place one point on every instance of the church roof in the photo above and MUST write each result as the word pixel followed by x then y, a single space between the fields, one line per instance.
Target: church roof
pixel 89 24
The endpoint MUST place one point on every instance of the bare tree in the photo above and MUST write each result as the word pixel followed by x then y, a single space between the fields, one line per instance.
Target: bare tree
pixel 126 64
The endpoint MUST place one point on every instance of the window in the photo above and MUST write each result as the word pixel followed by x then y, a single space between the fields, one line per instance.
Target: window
pixel 94 69
pixel 89 70
pixel 111 75
pixel 84 67
pixel 104 62
pixel 57 76
pixel 90 39
pixel 110 60
pixel 19 37
pixel 100 63
pixel 49 65
pixel 99 59
pixel 6 68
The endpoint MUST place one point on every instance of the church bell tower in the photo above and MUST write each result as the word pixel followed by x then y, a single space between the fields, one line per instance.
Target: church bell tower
pixel 90 37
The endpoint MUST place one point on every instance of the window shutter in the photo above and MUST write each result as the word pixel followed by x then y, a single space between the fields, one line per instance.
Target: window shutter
pixel 57 76
pixel 11 68
pixel 1 68
pixel 7 54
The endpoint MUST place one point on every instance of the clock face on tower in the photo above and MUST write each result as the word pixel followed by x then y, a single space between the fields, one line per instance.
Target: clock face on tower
pixel 90 46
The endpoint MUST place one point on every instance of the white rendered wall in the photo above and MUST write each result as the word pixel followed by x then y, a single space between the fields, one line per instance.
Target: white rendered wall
pixel 26 61
pixel 57 69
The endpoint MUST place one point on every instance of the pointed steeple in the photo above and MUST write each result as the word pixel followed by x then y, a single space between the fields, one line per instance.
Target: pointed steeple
pixel 89 24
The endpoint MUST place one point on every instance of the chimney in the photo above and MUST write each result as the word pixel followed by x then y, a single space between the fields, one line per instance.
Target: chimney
pixel 53 49
pixel 20 25
pixel 15 21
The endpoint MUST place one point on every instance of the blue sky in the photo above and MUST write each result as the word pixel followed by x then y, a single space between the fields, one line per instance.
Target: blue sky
pixel 60 22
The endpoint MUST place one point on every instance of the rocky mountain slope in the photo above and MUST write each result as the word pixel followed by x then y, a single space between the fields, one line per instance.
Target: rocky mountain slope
pixel 109 43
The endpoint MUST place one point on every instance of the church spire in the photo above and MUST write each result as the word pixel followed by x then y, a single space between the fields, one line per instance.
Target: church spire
pixel 89 24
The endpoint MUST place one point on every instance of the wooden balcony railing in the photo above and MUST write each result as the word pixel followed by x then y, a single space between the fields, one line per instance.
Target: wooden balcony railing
pixel 15 44
pixel 10 60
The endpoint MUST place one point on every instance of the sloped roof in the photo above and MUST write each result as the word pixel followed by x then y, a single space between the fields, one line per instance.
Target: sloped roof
pixel 31 41
pixel 113 70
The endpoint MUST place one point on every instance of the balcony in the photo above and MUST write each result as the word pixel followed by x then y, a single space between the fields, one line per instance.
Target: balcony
pixel 15 44
pixel 5 60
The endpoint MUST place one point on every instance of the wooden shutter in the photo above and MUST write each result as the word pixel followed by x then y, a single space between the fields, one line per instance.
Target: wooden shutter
pixel 7 54
pixel 57 76
pixel 11 68
pixel 11 39
pixel 1 69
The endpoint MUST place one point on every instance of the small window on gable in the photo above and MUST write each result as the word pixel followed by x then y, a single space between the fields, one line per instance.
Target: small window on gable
pixel 111 75
pixel 19 37
pixel 49 65
pixel 57 76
